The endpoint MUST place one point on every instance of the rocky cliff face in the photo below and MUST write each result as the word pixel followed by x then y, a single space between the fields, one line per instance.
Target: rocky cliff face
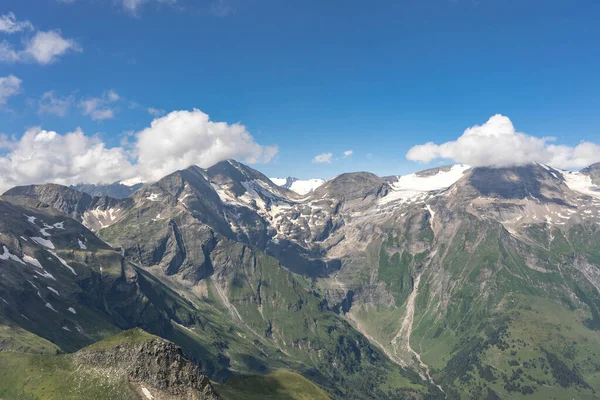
pixel 157 365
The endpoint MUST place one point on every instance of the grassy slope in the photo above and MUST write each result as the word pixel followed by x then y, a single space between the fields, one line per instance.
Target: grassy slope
pixel 56 377
pixel 15 338
pixel 277 385
pixel 507 329
pixel 523 336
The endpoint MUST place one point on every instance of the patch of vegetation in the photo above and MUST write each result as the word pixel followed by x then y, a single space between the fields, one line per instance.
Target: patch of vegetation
pixel 565 376
pixel 277 385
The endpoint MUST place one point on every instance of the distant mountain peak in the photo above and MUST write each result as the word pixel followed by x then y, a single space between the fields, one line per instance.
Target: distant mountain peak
pixel 300 186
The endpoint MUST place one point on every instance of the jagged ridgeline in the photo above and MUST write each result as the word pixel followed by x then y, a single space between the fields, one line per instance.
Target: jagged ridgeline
pixel 457 282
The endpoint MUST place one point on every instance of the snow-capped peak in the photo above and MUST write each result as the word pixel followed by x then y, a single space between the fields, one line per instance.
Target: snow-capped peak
pixel 132 181
pixel 302 187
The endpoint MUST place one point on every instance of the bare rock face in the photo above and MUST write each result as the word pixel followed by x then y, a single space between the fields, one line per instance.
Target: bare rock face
pixel 156 363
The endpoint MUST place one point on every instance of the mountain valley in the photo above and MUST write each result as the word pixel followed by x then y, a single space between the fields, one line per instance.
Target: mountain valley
pixel 450 283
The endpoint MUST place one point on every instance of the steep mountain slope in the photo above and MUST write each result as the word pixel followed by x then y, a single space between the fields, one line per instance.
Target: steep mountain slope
pixel 475 266
pixel 484 281
pixel 115 190
pixel 228 304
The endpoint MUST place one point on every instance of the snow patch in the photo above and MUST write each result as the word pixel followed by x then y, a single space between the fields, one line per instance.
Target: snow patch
pixel 50 307
pixel 63 262
pixel 304 187
pixel 32 261
pixel 82 246
pixel 147 393
pixel 72 310
pixel 44 242
pixel 53 290
pixel 279 181
pixel 36 288
pixel 413 187
pixel 581 183
pixel 7 255
pixel 152 197
pixel 45 274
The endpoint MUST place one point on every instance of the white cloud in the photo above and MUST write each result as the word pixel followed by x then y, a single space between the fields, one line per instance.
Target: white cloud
pixel 156 112
pixel 46 47
pixel 8 54
pixel 175 141
pixel 100 108
pixel 9 24
pixel 51 104
pixel 43 156
pixel 497 143
pixel 9 86
pixel 113 96
pixel 348 153
pixel 133 6
pixel 184 138
pixel 43 48
pixel 323 158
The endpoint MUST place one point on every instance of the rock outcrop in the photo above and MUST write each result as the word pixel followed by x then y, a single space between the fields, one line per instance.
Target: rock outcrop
pixel 155 363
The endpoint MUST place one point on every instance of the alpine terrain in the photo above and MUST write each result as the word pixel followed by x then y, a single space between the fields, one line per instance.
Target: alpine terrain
pixel 218 283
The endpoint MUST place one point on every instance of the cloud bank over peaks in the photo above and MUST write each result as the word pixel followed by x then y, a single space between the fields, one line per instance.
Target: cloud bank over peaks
pixel 184 138
pixel 496 143
pixel 172 142
pixel 41 156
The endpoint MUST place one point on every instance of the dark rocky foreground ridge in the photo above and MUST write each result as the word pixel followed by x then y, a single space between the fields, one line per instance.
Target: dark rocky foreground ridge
pixel 149 362
pixel 450 283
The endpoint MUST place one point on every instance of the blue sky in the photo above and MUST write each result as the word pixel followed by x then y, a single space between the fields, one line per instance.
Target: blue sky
pixel 309 77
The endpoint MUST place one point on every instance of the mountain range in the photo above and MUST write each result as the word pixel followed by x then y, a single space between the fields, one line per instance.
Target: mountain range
pixel 450 283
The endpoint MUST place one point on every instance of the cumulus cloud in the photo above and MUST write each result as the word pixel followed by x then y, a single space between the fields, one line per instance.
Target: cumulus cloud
pixel 184 138
pixel 348 153
pixel 41 156
pixel 497 143
pixel 9 24
pixel 9 86
pixel 100 108
pixel 323 158
pixel 43 48
pixel 172 142
pixel 51 104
